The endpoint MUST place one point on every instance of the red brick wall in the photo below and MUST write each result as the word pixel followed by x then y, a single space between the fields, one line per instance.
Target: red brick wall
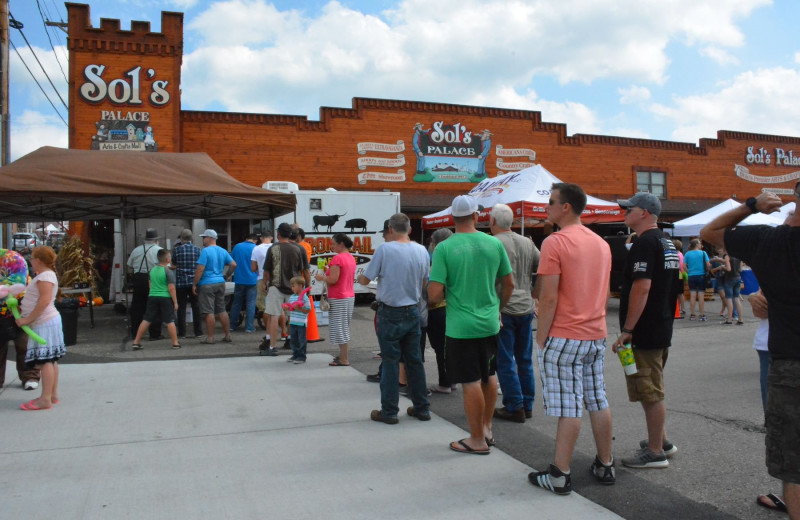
pixel 318 154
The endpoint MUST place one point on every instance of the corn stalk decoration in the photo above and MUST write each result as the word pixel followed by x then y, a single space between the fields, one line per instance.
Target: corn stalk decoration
pixel 73 267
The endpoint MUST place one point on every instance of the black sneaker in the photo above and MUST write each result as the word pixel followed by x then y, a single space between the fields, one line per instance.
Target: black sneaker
pixel 604 474
pixel 268 352
pixel 553 479
pixel 529 414
pixel 646 459
pixel 669 448
pixel 374 378
pixel 264 344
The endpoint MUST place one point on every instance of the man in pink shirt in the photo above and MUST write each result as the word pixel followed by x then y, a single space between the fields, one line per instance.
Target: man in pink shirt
pixel 572 286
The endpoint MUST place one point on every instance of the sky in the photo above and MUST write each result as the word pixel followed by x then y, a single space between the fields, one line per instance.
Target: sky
pixel 675 70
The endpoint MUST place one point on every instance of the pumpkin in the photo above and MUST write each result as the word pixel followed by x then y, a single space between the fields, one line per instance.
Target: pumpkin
pixel 97 301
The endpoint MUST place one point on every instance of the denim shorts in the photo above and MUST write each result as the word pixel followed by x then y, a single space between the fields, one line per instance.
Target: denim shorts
pixel 733 288
pixel 697 283
pixel 783 420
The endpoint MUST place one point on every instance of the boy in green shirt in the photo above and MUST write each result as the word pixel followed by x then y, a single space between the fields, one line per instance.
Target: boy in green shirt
pixel 161 300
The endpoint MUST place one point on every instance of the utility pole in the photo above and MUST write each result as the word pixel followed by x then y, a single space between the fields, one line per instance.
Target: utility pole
pixel 5 138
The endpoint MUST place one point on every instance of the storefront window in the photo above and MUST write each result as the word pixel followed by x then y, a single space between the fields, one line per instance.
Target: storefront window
pixel 652 182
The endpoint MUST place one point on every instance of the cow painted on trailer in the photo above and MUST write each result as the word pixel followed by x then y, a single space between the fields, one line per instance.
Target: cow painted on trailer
pixel 354 223
pixel 326 220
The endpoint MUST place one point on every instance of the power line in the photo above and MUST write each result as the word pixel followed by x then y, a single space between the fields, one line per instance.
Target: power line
pixel 37 83
pixel 46 31
pixel 46 75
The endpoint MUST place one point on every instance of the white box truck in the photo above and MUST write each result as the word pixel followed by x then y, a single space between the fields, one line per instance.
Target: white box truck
pixel 322 213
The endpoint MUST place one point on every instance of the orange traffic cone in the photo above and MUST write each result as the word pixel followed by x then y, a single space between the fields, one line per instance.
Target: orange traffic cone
pixel 677 310
pixel 312 332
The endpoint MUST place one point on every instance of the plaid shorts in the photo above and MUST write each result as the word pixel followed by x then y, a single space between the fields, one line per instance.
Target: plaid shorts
pixel 572 375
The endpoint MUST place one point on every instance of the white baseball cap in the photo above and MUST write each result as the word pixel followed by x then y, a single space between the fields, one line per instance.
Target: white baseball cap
pixel 210 233
pixel 465 205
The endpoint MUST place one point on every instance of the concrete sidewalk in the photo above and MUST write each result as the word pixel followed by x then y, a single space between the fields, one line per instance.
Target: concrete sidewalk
pixel 246 437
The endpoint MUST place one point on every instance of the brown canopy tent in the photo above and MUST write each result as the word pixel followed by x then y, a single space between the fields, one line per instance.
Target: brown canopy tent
pixel 54 184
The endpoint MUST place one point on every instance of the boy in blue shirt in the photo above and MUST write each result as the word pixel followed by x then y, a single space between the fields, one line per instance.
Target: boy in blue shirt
pixel 299 306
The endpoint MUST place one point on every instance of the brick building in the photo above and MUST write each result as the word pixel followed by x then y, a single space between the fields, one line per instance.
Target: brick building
pixel 124 94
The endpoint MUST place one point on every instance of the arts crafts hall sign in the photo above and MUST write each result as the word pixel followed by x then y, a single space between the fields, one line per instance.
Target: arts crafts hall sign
pixel 118 127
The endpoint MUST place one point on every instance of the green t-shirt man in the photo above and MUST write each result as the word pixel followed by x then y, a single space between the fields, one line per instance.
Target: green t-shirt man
pixel 468 264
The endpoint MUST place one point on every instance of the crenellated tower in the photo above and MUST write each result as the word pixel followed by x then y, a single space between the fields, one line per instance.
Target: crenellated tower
pixel 124 85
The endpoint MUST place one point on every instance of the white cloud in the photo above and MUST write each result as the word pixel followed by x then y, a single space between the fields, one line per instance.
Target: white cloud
pixel 759 101
pixel 257 58
pixel 579 118
pixel 633 94
pixel 719 55
pixel 33 129
pixel 20 77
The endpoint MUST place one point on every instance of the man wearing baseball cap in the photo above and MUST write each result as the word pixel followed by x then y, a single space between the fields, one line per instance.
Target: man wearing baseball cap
pixel 646 313
pixel 467 265
pixel 209 285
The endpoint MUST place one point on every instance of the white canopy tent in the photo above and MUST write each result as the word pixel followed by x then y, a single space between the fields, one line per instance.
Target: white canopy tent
pixel 690 227
pixel 527 193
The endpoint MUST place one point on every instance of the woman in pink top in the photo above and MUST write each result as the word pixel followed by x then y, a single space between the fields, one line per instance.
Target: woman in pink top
pixel 38 311
pixel 339 277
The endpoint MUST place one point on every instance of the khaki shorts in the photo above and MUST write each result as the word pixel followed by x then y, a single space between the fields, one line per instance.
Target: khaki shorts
pixel 211 298
pixel 647 385
pixel 275 299
pixel 783 420
pixel 261 297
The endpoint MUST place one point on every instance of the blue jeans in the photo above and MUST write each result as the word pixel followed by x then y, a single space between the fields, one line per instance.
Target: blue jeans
pixel 297 337
pixel 399 334
pixel 246 293
pixel 515 362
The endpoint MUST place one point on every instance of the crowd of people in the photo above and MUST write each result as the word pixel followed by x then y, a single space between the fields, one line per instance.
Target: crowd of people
pixel 476 296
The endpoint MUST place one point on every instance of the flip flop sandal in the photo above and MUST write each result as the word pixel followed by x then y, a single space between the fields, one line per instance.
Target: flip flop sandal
pixel 776 505
pixel 464 448
pixel 337 363
pixel 206 340
pixel 227 339
pixel 136 346
pixel 30 407
pixel 176 347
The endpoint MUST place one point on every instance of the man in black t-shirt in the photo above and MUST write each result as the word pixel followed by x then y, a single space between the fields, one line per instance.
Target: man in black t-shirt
pixel 647 309
pixel 774 256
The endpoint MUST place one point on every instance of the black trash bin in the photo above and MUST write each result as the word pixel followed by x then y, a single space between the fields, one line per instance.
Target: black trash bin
pixel 68 308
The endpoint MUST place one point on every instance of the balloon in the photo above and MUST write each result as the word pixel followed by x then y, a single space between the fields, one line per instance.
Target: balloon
pixel 298 304
pixel 11 303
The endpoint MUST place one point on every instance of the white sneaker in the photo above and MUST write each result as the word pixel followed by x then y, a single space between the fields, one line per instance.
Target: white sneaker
pixel 31 385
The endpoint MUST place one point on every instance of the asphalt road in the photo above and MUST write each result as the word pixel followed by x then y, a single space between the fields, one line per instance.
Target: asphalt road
pixel 714 414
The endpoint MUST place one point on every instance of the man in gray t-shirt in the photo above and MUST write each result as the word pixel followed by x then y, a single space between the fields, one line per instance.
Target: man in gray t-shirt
pixel 402 268
pixel 515 341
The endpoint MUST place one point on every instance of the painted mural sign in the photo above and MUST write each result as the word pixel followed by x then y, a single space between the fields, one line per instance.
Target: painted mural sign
pixel 443 153
pixel 126 134
pixel 123 129
pixel 450 153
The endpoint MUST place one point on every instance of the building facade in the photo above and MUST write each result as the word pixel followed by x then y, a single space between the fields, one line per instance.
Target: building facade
pixel 125 95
